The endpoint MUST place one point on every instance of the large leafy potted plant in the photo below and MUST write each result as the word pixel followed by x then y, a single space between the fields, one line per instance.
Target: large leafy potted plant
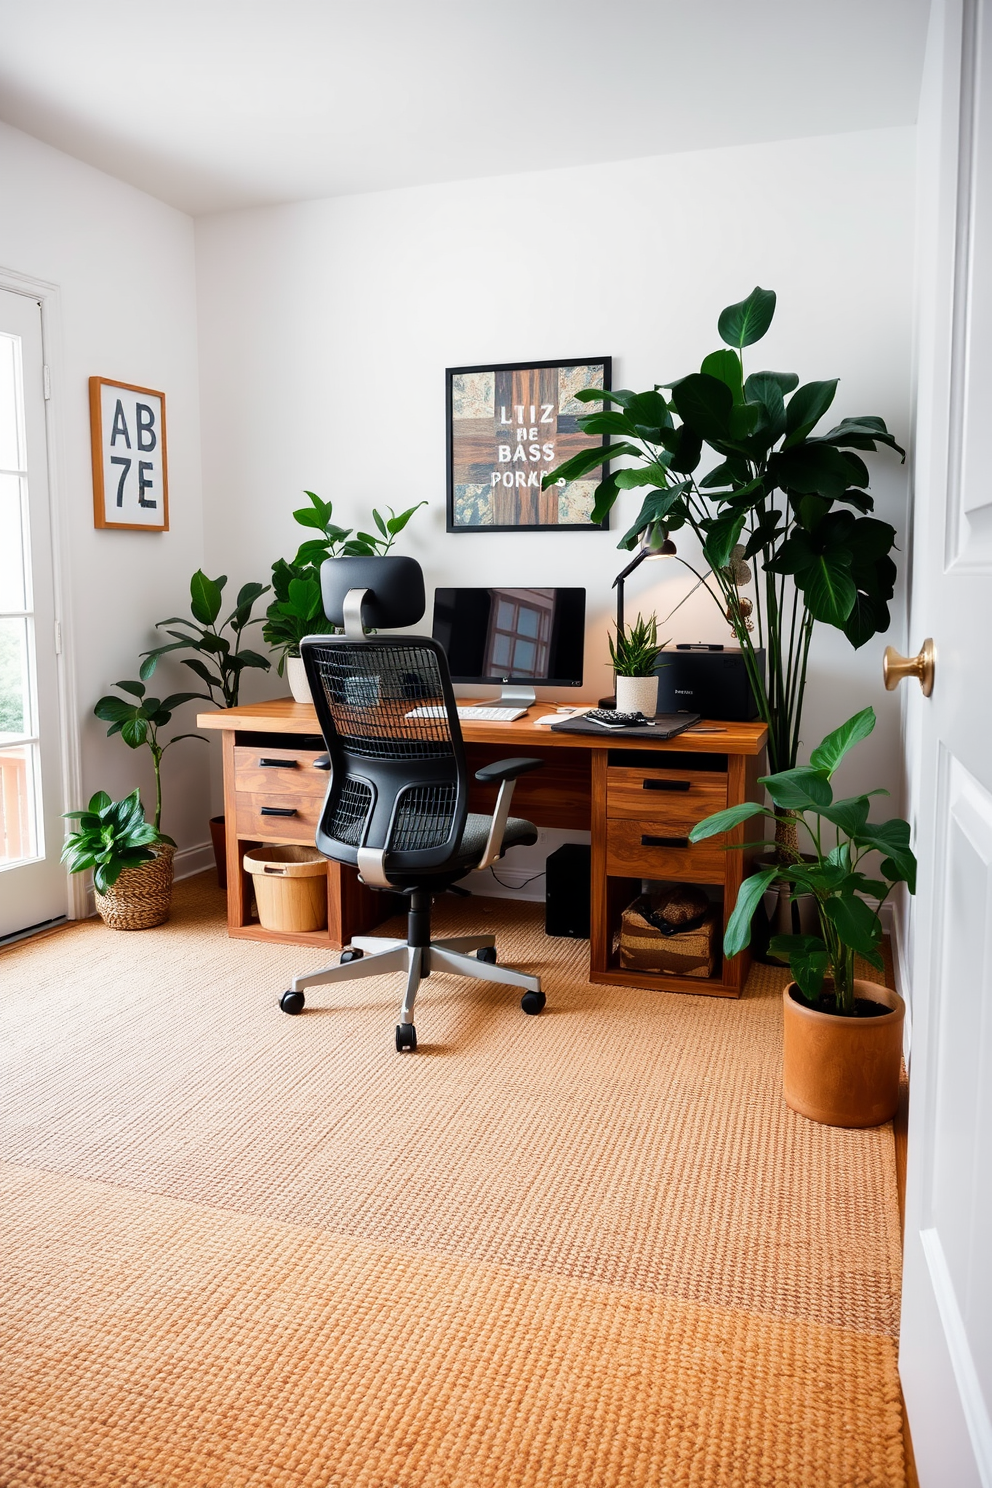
pixel 132 875
pixel 795 500
pixel 138 719
pixel 297 608
pixel 843 1035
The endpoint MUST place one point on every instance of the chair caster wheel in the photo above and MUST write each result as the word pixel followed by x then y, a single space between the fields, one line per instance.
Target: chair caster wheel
pixel 487 953
pixel 406 1037
pixel 533 1002
pixel 292 1002
pixel 351 954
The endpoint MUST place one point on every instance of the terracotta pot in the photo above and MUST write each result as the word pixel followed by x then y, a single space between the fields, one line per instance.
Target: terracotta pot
pixel 637 695
pixel 843 1071
pixel 218 836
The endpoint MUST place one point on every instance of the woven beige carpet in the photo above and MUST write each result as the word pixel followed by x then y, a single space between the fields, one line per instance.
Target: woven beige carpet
pixel 591 1248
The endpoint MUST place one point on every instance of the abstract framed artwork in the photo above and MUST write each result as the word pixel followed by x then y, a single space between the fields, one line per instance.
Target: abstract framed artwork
pixel 130 467
pixel 508 427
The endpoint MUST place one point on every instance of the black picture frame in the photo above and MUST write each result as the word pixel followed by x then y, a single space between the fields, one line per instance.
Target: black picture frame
pixel 488 504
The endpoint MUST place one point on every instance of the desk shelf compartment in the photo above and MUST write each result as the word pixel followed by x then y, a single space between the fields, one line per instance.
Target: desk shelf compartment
pixel 273 792
pixel 646 809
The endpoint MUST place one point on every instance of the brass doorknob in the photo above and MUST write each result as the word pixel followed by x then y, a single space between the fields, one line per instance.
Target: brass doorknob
pixel 895 667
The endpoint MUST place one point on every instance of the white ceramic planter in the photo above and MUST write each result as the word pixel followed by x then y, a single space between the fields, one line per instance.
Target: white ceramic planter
pixel 297 678
pixel 637 695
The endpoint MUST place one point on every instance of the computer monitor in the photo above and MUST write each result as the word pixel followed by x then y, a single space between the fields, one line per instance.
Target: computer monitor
pixel 514 637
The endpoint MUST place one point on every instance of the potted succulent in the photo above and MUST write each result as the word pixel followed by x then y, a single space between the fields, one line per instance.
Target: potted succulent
pixel 297 608
pixel 791 500
pixel 138 718
pixel 634 655
pixel 843 1035
pixel 219 659
pixel 131 861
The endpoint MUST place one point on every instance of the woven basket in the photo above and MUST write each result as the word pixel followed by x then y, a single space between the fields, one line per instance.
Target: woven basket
pixel 141 897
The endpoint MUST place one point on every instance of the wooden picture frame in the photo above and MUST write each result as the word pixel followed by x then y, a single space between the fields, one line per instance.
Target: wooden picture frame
pixel 497 453
pixel 130 457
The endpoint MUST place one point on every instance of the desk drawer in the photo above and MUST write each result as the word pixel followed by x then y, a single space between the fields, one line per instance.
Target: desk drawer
pixel 649 849
pixel 279 772
pixel 288 817
pixel 677 798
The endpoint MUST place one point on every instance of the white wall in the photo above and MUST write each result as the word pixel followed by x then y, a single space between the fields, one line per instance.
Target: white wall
pixel 124 268
pixel 325 329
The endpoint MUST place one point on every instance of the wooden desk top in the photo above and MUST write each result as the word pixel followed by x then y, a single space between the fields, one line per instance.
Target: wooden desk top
pixel 284 716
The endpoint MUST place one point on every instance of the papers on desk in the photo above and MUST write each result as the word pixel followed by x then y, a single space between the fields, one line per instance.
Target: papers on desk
pixel 560 717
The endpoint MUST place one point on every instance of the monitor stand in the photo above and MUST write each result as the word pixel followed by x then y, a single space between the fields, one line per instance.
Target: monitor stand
pixel 514 697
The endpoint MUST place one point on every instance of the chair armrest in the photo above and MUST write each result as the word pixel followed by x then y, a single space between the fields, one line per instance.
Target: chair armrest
pixel 508 769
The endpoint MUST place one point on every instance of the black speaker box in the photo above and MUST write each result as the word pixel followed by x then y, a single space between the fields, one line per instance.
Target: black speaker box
pixel 566 893
pixel 713 683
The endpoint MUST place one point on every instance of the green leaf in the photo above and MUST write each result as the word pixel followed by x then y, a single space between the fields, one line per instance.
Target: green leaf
pixel 732 472
pixel 725 821
pixel 136 689
pixel 621 396
pixel 606 494
pixel 806 408
pixel 113 709
pixel 801 789
pixel 863 433
pixel 892 838
pixel 742 324
pixel 172 702
pixel 811 469
pixel 134 731
pixel 765 389
pixel 646 475
pixel 657 506
pixel 704 403
pixel 739 925
pixel 808 961
pixel 684 448
pixel 828 755
pixel 828 588
pixel 608 422
pixel 587 460
pixel 850 814
pixel 722 536
pixel 726 367
pixel 857 924
pixel 206 597
pixel 787 381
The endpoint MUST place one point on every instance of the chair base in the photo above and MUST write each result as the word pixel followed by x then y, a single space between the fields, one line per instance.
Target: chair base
pixel 371 955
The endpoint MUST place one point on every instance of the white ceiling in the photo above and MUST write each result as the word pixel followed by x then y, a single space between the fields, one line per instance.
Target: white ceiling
pixel 216 104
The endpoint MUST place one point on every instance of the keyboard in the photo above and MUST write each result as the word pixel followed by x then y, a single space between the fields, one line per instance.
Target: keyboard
pixel 477 713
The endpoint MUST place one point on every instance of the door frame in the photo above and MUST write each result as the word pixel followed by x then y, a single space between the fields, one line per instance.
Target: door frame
pixel 47 295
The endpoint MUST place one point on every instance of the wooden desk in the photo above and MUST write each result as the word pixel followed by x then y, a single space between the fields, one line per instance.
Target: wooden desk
pixel 609 787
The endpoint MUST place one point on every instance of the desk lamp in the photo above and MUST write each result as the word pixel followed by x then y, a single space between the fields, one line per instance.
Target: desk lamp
pixel 655 543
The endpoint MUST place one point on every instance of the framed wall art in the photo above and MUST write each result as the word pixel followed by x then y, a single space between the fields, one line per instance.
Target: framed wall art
pixel 130 465
pixel 508 427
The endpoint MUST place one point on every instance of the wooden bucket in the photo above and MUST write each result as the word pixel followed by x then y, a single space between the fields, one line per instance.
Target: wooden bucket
pixel 290 887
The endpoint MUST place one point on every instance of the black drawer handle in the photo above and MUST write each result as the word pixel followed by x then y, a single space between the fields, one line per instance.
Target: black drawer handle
pixel 677 785
pixel 274 764
pixel 278 811
pixel 322 762
pixel 664 842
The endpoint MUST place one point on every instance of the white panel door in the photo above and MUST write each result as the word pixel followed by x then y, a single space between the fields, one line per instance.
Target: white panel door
pixel 946 1340
pixel 33 885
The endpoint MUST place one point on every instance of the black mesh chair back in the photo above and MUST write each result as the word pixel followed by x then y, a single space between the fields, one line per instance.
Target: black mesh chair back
pixel 398 781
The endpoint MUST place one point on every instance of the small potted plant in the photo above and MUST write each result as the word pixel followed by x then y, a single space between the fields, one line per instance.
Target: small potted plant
pixel 296 611
pixel 634 655
pixel 131 861
pixel 843 1036
pixel 297 608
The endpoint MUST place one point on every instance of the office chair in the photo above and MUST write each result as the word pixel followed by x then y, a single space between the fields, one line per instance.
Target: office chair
pixel 397 803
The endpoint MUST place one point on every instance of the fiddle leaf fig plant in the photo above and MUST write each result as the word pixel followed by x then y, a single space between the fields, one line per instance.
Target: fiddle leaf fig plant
pixel 797 501
pixel 138 718
pixel 220 657
pixel 840 838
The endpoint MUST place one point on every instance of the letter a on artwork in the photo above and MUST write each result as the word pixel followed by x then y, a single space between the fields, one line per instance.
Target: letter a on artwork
pixel 120 426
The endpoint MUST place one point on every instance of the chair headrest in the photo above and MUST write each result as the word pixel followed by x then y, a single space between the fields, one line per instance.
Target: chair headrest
pixel 395 590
